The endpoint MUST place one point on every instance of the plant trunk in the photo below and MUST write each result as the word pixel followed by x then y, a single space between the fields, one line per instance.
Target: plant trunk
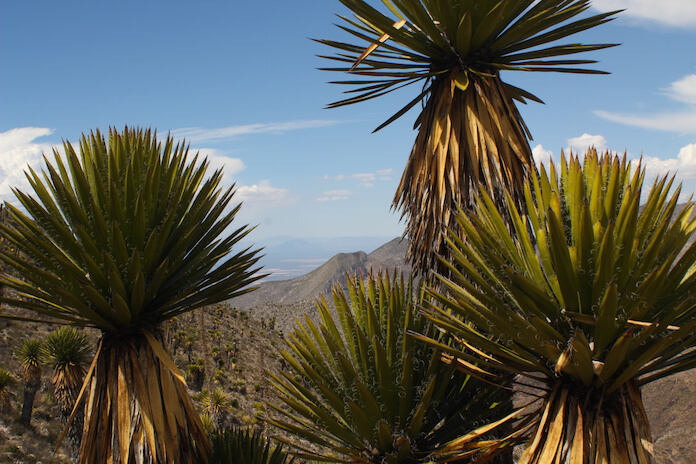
pixel 591 428
pixel 30 388
pixel 466 139
pixel 138 408
pixel 74 432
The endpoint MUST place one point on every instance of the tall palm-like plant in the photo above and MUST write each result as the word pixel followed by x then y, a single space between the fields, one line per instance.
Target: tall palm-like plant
pixel 469 130
pixel 593 297
pixel 67 352
pixel 363 389
pixel 30 358
pixel 126 234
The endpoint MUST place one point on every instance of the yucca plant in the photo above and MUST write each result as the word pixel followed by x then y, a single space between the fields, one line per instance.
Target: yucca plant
pixel 68 353
pixel 362 390
pixel 208 424
pixel 216 404
pixel 593 296
pixel 5 382
pixel 29 354
pixel 236 446
pixel 469 129
pixel 126 234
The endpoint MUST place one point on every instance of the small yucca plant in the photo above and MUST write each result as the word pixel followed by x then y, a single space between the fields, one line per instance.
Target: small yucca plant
pixel 363 389
pixel 29 354
pixel 591 294
pixel 5 383
pixel 208 424
pixel 216 404
pixel 241 446
pixel 68 353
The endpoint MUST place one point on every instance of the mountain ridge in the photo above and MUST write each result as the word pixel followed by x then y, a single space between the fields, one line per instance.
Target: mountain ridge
pixel 391 255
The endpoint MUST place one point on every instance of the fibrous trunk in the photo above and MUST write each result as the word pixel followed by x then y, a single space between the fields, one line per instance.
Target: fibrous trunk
pixel 466 139
pixel 138 409
pixel 66 389
pixel 591 427
pixel 30 388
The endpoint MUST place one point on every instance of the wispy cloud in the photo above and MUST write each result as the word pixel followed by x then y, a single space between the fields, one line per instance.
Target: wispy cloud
pixel 334 195
pixel 683 90
pixel 366 179
pixel 683 121
pixel 337 192
pixel 679 13
pixel 385 174
pixel 199 134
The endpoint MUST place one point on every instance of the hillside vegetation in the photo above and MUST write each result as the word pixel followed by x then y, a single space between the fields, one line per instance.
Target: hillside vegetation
pixel 228 346
pixel 216 348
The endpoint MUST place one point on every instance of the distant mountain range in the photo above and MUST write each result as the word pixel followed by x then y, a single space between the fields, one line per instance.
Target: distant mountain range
pixel 298 295
pixel 286 257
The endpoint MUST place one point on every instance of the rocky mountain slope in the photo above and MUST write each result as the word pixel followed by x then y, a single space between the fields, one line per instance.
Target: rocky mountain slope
pixel 286 300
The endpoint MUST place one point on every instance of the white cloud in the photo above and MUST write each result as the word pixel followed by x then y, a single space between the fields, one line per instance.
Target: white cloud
pixel 682 122
pixel 17 151
pixel 680 13
pixel 541 154
pixel 684 165
pixel 581 144
pixel 263 196
pixel 198 134
pixel 230 166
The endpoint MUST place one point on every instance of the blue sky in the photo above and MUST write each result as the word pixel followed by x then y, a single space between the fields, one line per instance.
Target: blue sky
pixel 239 81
